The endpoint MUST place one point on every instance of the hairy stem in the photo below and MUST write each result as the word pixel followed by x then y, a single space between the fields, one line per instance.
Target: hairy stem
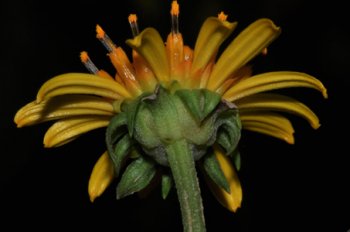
pixel 183 169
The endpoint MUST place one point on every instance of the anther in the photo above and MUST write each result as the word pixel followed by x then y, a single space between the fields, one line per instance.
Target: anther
pixel 175 11
pixel 222 16
pixel 133 24
pixel 89 65
pixel 104 38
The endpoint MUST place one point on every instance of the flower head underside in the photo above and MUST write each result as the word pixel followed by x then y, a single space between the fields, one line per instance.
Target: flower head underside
pixel 171 108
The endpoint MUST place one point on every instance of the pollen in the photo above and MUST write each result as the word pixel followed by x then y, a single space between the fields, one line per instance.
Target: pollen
pixel 100 32
pixel 104 38
pixel 222 16
pixel 174 12
pixel 85 59
pixel 175 8
pixel 132 18
pixel 133 24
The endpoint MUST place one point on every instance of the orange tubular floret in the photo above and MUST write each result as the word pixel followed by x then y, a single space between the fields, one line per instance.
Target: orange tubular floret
pixel 125 70
pixel 174 44
pixel 121 63
pixel 144 74
pixel 187 62
pixel 102 73
pixel 174 47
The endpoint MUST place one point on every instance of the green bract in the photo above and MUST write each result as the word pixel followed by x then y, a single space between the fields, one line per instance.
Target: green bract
pixel 156 124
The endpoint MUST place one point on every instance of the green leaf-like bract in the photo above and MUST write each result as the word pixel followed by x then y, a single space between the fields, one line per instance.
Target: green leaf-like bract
pixel 236 157
pixel 200 102
pixel 136 177
pixel 167 183
pixel 213 169
pixel 229 130
pixel 116 136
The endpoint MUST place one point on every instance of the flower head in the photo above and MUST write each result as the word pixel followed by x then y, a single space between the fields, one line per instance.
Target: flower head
pixel 172 108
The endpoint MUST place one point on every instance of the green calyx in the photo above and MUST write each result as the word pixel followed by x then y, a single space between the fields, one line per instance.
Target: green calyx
pixel 174 129
pixel 198 116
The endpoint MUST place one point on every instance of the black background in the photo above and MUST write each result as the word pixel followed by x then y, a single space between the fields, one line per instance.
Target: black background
pixel 286 188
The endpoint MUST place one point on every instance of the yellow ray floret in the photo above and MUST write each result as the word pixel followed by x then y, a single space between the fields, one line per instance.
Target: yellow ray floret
pixel 276 102
pixel 101 176
pixel 81 83
pixel 151 46
pixel 242 49
pixel 268 123
pixel 271 81
pixel 62 107
pixel 213 32
pixel 232 201
pixel 66 130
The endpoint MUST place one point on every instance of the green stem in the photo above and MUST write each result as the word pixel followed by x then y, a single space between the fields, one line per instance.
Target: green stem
pixel 183 169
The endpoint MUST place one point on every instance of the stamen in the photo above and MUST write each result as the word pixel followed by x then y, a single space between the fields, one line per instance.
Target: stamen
pixel 133 24
pixel 89 65
pixel 175 11
pixel 104 38
pixel 222 16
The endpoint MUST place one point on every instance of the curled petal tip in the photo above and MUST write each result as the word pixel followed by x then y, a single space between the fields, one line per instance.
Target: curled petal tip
pixel 324 93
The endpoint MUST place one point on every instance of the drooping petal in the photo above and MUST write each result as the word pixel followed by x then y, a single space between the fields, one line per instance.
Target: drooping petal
pixel 81 83
pixel 233 200
pixel 213 32
pixel 66 130
pixel 268 123
pixel 276 102
pixel 150 46
pixel 271 81
pixel 62 107
pixel 101 176
pixel 249 43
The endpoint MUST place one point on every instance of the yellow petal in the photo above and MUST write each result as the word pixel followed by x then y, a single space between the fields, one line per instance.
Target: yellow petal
pixel 240 74
pixel 213 32
pixel 271 81
pixel 67 130
pixel 271 124
pixel 151 47
pixel 81 83
pixel 62 107
pixel 101 177
pixel 231 201
pixel 276 102
pixel 242 49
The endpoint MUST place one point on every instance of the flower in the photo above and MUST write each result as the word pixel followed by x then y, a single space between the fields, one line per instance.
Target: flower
pixel 171 108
